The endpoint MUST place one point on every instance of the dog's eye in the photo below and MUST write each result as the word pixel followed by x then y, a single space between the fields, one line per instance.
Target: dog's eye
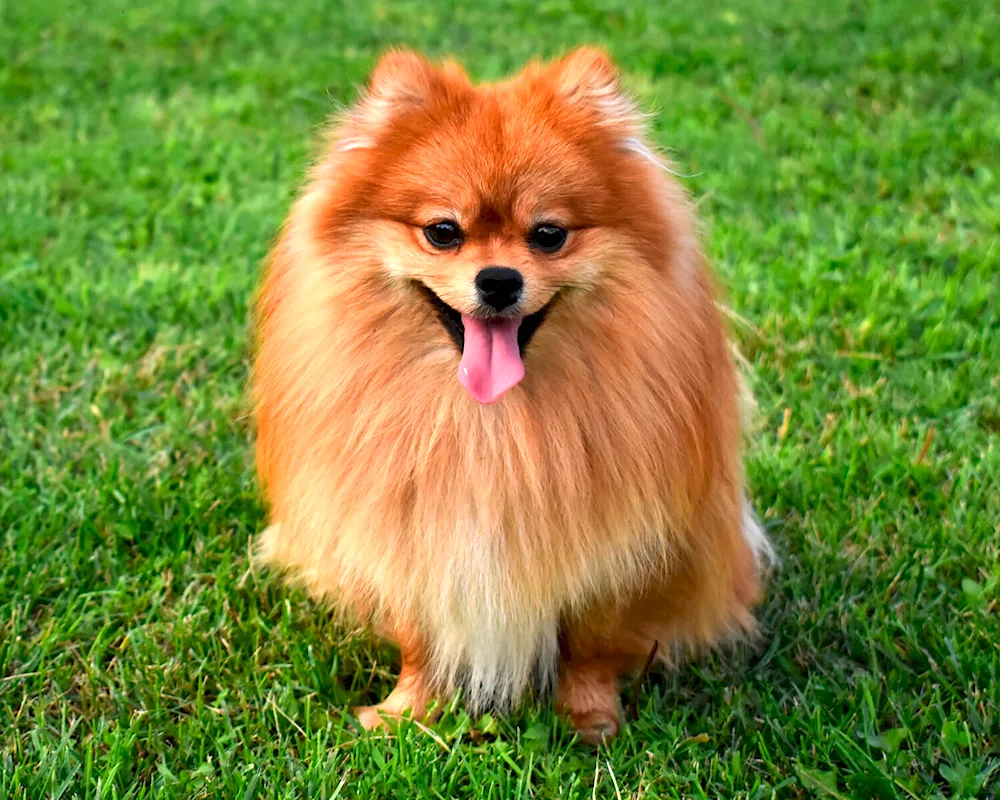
pixel 547 238
pixel 444 235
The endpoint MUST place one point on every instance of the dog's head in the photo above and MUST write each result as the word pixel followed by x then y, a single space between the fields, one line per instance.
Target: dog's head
pixel 492 205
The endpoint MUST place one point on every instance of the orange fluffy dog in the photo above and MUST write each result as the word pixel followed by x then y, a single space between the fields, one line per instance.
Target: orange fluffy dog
pixel 498 416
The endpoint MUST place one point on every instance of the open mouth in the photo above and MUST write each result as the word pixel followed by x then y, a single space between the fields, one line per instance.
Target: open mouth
pixel 492 348
pixel 452 320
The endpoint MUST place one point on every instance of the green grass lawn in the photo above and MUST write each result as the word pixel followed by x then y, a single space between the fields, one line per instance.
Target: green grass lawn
pixel 846 161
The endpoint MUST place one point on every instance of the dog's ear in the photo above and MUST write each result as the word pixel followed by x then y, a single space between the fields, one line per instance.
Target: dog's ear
pixel 402 77
pixel 402 80
pixel 588 78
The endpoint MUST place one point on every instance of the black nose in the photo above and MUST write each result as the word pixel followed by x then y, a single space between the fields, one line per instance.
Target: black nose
pixel 499 287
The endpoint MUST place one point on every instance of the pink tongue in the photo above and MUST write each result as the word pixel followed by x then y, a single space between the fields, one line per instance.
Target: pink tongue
pixel 491 361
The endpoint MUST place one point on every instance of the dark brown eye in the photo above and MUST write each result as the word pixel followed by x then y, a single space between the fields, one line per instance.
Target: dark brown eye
pixel 444 235
pixel 547 238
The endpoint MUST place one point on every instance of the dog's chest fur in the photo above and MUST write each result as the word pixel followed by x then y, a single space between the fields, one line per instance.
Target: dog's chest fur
pixel 486 636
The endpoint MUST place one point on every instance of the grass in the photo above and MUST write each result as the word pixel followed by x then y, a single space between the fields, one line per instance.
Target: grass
pixel 846 157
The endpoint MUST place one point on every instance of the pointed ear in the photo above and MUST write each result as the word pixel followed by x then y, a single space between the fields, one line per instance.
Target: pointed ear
pixel 588 78
pixel 401 80
pixel 402 76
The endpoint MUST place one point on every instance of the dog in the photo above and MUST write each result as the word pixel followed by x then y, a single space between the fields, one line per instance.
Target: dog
pixel 498 417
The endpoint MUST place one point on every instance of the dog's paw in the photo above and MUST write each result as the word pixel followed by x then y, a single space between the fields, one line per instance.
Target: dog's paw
pixel 371 718
pixel 595 727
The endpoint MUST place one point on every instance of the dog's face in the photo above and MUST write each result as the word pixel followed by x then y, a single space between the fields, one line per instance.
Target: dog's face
pixel 492 203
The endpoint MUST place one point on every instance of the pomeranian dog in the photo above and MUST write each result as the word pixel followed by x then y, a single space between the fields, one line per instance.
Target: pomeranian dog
pixel 498 415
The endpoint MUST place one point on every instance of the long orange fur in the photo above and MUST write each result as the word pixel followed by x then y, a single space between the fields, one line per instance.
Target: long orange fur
pixel 598 506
